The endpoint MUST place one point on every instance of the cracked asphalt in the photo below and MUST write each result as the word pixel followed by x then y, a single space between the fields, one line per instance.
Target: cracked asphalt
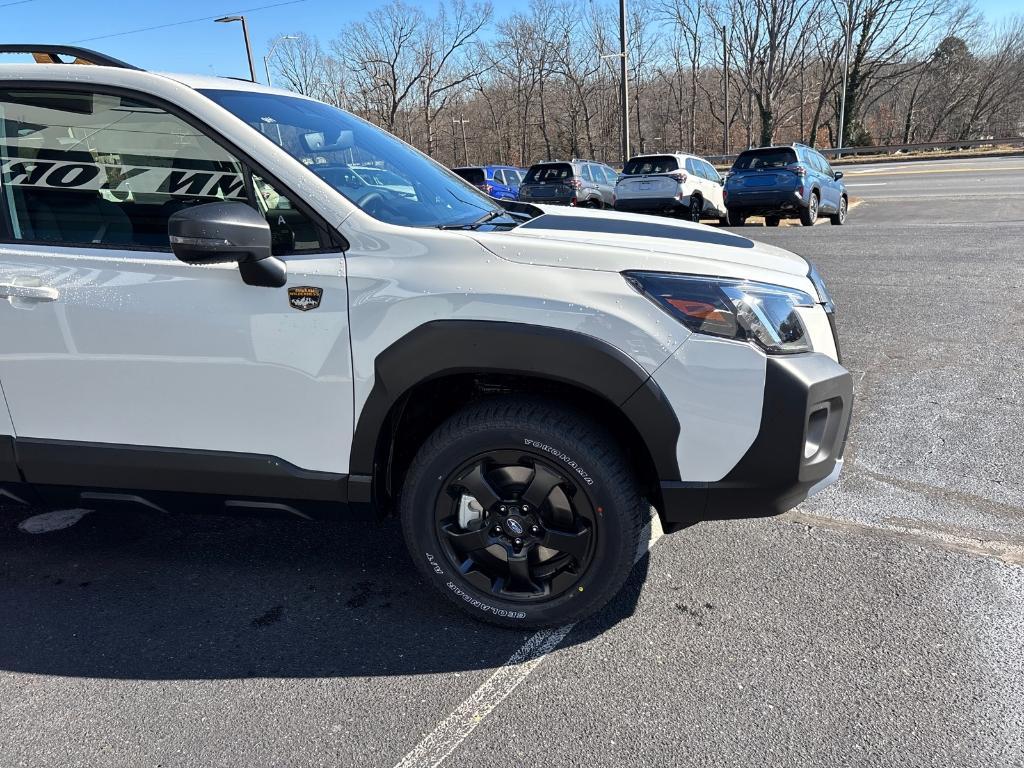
pixel 879 623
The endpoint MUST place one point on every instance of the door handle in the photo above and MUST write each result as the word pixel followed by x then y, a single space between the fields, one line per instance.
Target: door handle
pixel 30 292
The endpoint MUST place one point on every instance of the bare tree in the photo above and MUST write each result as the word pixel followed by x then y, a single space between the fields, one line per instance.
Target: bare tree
pixel 442 51
pixel 381 52
pixel 887 40
pixel 771 35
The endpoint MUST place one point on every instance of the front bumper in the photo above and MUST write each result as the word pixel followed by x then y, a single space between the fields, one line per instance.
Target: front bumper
pixel 798 449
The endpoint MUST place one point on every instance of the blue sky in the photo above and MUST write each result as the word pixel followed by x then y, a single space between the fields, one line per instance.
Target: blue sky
pixel 202 46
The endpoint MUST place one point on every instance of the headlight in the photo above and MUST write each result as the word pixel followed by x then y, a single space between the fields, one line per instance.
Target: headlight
pixel 731 309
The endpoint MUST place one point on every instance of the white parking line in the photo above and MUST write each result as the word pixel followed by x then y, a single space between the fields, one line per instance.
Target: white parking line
pixel 868 184
pixel 437 745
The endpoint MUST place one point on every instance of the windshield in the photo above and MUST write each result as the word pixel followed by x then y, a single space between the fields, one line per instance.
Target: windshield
pixel 655 164
pixel 385 177
pixel 753 159
pixel 549 172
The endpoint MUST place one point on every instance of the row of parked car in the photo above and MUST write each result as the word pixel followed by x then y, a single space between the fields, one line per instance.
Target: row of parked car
pixel 792 181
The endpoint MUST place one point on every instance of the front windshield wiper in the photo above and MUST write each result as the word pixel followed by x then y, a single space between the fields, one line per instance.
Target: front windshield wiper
pixel 475 224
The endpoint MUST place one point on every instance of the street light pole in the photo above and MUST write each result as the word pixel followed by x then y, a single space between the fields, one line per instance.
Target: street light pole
pixel 266 59
pixel 624 84
pixel 846 75
pixel 248 45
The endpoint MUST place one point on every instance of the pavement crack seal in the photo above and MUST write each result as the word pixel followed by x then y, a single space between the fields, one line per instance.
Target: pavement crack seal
pixel 446 737
pixel 48 522
pixel 1008 551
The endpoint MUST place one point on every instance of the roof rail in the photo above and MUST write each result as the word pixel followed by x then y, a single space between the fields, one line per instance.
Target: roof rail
pixel 50 54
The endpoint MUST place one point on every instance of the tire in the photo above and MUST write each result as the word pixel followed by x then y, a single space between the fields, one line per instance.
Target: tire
pixel 734 219
pixel 696 209
pixel 496 450
pixel 809 215
pixel 771 221
pixel 839 217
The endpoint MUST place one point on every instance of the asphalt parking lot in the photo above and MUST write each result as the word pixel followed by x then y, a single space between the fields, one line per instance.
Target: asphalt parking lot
pixel 880 623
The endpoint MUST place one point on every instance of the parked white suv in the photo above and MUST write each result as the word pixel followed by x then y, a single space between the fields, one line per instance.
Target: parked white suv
pixel 678 185
pixel 206 309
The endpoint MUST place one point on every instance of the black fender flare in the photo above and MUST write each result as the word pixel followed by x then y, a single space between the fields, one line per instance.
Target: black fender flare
pixel 448 347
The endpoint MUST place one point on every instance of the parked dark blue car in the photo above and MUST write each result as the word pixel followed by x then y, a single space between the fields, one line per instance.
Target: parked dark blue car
pixel 784 183
pixel 499 181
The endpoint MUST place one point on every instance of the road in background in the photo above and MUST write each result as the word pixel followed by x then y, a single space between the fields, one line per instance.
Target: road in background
pixel 880 623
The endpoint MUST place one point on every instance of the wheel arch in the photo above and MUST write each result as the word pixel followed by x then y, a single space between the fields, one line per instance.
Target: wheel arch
pixel 434 370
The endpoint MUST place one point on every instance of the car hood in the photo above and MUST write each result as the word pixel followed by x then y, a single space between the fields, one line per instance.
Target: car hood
pixel 614 241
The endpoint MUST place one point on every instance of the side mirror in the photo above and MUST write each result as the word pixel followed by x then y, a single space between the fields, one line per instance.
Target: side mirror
pixel 838 175
pixel 215 233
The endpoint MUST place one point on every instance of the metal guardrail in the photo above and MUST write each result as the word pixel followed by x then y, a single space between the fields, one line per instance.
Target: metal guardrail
pixel 888 149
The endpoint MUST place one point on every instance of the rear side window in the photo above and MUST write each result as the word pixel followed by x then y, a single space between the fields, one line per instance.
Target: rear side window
pixel 548 172
pixel 472 175
pixel 693 166
pixel 79 168
pixel 710 172
pixel 585 172
pixel 769 157
pixel 652 164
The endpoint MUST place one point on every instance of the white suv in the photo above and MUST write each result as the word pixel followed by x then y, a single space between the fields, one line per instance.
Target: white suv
pixel 207 309
pixel 679 185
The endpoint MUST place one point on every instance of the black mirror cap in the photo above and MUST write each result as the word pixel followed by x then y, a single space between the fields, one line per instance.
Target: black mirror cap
pixel 215 233
pixel 838 175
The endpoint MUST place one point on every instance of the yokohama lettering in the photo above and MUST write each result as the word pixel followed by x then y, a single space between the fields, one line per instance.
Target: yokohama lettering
pixel 558 454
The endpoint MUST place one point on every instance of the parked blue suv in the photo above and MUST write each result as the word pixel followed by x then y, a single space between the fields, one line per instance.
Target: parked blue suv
pixel 499 181
pixel 784 183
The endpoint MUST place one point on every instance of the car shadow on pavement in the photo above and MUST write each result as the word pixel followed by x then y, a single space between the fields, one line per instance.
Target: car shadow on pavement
pixel 141 596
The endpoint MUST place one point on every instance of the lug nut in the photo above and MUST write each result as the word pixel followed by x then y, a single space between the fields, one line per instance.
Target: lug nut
pixel 534 529
pixel 497 530
pixel 502 508
pixel 526 507
pixel 519 542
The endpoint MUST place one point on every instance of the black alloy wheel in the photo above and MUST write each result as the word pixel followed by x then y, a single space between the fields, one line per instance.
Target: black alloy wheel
pixel 695 210
pixel 522 512
pixel 531 531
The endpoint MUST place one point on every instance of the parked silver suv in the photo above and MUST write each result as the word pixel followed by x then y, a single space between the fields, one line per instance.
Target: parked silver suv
pixel 571 182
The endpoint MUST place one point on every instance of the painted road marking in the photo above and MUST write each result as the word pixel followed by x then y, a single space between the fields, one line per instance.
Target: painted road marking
pixel 887 172
pixel 437 745
pixel 48 522
pixel 868 184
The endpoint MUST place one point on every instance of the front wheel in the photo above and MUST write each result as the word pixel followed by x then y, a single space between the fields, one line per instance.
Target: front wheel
pixel 521 512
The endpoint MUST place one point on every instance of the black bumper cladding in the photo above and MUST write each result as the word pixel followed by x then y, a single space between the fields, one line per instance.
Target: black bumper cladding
pixel 804 423
pixel 641 204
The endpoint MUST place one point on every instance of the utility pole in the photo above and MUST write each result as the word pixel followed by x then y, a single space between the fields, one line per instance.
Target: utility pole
pixel 725 76
pixel 624 83
pixel 248 45
pixel 465 142
pixel 846 76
